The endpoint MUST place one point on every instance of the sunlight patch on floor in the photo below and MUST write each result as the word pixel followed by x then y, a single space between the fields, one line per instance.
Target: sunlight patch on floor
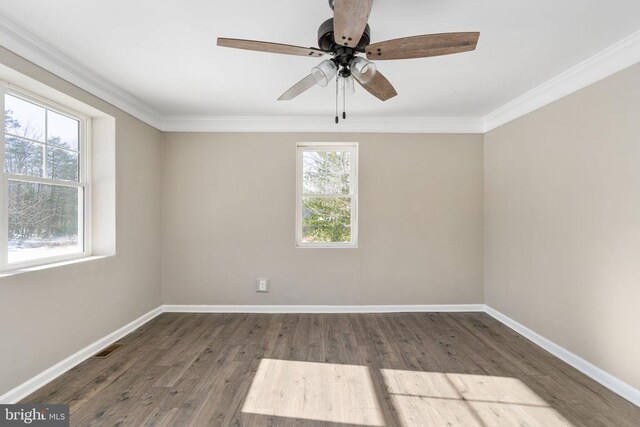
pixel 433 398
pixel 314 391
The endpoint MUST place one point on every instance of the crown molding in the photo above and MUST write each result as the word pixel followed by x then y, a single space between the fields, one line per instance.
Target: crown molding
pixel 616 57
pixel 44 55
pixel 323 124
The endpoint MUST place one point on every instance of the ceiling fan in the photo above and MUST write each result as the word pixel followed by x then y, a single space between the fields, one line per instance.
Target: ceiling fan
pixel 345 37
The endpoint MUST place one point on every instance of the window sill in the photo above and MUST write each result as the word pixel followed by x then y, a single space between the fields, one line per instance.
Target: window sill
pixel 20 270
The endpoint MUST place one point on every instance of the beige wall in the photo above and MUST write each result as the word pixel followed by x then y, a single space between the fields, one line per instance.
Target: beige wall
pixel 562 230
pixel 48 315
pixel 229 217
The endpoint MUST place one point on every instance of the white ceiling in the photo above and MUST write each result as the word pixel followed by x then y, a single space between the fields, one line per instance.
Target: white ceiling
pixel 164 52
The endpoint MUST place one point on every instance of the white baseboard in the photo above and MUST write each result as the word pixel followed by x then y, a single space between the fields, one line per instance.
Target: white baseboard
pixel 614 384
pixel 43 378
pixel 293 309
pixel 23 390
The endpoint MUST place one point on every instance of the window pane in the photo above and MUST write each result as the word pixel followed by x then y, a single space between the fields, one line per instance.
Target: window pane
pixel 23 118
pixel 62 131
pixel 23 157
pixel 62 164
pixel 43 220
pixel 326 172
pixel 326 219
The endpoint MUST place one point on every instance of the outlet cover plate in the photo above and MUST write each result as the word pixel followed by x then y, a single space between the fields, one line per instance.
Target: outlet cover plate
pixel 262 285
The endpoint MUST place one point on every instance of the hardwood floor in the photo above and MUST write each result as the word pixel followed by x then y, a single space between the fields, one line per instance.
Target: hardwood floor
pixel 410 369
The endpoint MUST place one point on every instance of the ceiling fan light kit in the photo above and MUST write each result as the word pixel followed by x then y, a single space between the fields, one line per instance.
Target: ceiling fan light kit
pixel 347 35
pixel 362 69
pixel 324 72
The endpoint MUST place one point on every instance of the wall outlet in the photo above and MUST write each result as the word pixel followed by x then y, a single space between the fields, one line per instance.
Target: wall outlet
pixel 262 285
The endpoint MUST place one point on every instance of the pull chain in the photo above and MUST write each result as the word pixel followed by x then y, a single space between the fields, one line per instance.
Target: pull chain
pixel 337 119
pixel 344 98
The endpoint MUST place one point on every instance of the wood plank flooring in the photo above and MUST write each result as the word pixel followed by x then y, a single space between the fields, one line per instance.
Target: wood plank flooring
pixel 408 369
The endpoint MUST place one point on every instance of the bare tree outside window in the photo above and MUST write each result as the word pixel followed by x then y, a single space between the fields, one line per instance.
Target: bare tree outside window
pixel 42 151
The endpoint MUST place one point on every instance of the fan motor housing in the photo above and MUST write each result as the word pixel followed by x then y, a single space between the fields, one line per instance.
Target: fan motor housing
pixel 327 42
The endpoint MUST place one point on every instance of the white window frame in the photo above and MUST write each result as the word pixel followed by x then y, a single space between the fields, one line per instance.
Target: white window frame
pixel 352 147
pixel 84 181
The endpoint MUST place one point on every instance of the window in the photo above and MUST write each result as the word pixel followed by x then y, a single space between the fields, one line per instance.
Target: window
pixel 327 195
pixel 44 192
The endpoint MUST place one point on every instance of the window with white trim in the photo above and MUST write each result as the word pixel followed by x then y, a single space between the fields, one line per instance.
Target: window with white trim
pixel 327 195
pixel 45 188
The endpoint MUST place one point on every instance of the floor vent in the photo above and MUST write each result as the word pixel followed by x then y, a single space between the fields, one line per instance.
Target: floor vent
pixel 107 351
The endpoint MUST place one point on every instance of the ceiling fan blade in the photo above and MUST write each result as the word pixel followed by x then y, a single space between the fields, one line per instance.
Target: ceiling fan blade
pixel 349 20
pixel 423 46
pixel 269 47
pixel 379 87
pixel 295 90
